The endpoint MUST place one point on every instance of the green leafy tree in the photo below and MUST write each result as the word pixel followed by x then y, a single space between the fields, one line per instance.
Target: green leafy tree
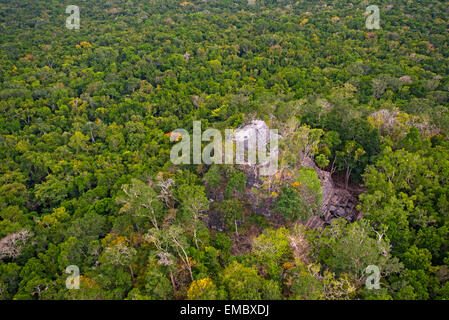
pixel 290 205
pixel 193 203
pixel 349 248
pixel 243 283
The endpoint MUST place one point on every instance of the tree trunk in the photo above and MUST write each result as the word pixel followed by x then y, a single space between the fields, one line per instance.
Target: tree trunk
pixel 172 282
pixel 348 173
pixel 236 230
pixel 132 273
pixel 194 236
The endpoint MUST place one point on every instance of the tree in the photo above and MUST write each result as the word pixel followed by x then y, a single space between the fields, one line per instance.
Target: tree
pixel 168 240
pixel 52 191
pixel 193 203
pixel 348 248
pixel 299 143
pixel 203 289
pixel 11 245
pixel 213 177
pixel 243 283
pixel 232 210
pixel 157 284
pixel 140 200
pixel 308 186
pixel 322 161
pixel 290 205
pixel 78 141
pixel 9 280
pixel 166 191
pixel 120 255
pixel 236 183
pixel 272 250
pixel 349 157
pixel 304 282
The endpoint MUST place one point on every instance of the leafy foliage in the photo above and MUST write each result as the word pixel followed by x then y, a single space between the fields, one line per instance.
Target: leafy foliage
pixel 85 171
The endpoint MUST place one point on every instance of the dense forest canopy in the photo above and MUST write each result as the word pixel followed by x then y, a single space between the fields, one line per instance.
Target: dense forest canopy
pixel 85 172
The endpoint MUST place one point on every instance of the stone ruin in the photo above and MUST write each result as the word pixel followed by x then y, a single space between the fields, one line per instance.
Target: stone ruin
pixel 260 134
pixel 336 202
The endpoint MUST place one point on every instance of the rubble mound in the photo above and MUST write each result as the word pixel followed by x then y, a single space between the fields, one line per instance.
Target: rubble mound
pixel 341 205
pixel 336 202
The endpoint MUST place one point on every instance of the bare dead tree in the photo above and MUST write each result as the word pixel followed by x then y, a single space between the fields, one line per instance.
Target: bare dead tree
pixel 166 192
pixel 11 246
